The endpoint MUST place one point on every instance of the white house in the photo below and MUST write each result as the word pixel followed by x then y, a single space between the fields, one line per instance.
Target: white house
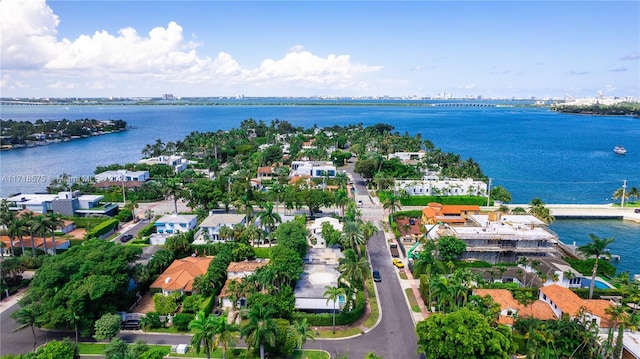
pixel 210 227
pixel 64 203
pixel 562 300
pixel 313 168
pixel 433 186
pixel 236 272
pixel 176 223
pixel 123 176
pixel 315 229
pixel 320 271
pixel 178 163
pixel 407 156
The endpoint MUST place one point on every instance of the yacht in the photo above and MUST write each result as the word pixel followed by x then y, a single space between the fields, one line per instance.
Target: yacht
pixel 619 150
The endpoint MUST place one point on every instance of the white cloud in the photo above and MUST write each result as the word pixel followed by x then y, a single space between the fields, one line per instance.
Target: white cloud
pixel 28 33
pixel 102 60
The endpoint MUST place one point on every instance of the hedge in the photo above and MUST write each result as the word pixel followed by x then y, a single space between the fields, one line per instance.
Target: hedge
pixel 102 228
pixel 86 222
pixel 462 200
pixel 326 319
pixel 597 292
pixel 207 304
pixel 415 213
pixel 146 230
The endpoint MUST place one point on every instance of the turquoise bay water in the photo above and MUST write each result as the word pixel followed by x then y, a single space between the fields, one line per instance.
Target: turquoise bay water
pixel 533 152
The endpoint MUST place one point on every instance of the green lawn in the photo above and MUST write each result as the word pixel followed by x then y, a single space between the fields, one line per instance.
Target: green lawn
pixel 412 300
pixel 91 348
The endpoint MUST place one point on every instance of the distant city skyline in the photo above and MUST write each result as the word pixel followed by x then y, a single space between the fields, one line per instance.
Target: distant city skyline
pixel 494 49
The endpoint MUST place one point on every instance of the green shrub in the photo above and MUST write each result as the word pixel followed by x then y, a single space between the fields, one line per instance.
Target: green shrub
pixel 86 222
pixel 326 319
pixel 181 321
pixel 191 303
pixel 585 267
pixel 102 228
pixel 207 304
pixel 262 252
pixel 146 230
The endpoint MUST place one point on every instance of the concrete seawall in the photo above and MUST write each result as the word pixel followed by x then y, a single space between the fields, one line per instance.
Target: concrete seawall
pixel 586 211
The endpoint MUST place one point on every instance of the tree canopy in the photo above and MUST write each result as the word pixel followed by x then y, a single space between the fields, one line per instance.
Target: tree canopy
pixel 463 334
pixel 85 282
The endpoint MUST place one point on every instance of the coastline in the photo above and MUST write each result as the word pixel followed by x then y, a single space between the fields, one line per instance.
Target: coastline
pixel 32 144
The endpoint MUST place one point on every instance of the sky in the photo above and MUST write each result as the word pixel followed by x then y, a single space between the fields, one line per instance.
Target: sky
pixel 521 49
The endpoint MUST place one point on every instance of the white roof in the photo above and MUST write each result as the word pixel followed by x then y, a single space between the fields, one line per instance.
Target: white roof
pixel 177 218
pixel 227 219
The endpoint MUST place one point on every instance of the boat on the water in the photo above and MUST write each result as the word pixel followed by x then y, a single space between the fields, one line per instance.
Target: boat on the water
pixel 619 150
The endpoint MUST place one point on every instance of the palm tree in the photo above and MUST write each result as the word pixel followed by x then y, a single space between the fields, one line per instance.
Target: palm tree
pixel 620 193
pixel 538 209
pixel 392 203
pixel 352 235
pixel 352 268
pixel 39 227
pixel 269 218
pixel 634 192
pixel 173 187
pixel 303 332
pixel 225 232
pixel 260 328
pixel 341 199
pixel 16 229
pixel 333 293
pixel 596 249
pixel 204 328
pixel 27 220
pixel 368 230
pixel 27 317
pixel 54 220
pixel 225 335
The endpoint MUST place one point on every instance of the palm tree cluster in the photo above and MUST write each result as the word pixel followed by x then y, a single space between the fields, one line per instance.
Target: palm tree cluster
pixel 538 209
pixel 17 226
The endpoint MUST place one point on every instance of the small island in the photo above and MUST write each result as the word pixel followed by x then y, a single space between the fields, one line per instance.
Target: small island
pixel 618 109
pixel 19 134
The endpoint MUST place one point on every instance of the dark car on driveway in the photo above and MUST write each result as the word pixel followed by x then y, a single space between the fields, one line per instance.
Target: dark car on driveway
pixel 126 238
pixel 376 276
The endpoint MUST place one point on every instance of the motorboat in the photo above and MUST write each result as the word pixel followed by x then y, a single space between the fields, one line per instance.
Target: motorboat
pixel 619 150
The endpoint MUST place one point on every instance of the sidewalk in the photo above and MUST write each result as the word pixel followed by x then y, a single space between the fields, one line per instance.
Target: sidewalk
pixel 6 303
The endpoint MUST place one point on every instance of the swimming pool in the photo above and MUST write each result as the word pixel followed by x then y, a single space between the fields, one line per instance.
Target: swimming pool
pixel 585 282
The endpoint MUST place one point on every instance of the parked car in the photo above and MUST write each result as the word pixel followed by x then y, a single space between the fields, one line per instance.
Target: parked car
pixel 412 221
pixel 360 204
pixel 398 263
pixel 126 238
pixel 376 276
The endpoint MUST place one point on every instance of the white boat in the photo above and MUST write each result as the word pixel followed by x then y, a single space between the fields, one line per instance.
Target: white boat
pixel 619 150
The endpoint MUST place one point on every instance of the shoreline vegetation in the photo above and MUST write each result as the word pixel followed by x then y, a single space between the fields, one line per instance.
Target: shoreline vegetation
pixel 621 109
pixel 22 134
pixel 278 101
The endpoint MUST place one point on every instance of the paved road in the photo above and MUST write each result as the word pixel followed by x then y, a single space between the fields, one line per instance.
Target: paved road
pixel 393 337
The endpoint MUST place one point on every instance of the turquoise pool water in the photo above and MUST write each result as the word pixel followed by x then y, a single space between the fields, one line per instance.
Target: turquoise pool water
pixel 585 282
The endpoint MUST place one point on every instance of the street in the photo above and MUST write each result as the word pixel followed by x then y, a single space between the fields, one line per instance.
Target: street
pixel 393 337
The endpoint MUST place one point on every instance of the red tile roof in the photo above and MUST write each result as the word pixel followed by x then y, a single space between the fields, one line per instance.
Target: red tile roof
pixel 180 274
pixel 504 298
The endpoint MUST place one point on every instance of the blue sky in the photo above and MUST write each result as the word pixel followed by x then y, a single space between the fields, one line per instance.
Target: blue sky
pixel 308 48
